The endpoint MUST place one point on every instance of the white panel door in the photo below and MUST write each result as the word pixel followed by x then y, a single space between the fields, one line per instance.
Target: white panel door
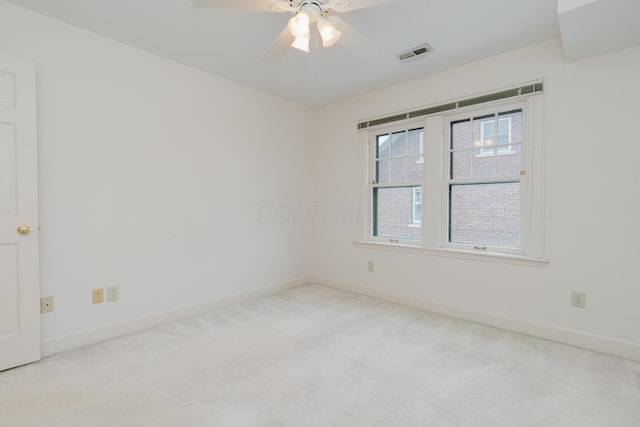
pixel 19 286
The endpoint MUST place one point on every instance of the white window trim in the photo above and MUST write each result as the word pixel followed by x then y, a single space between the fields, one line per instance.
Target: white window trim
pixel 370 155
pixel 455 253
pixel 532 206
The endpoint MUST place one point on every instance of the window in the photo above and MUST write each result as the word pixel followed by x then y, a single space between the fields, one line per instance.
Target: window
pixel 488 139
pixel 483 182
pixel 417 205
pixel 397 168
pixel 479 171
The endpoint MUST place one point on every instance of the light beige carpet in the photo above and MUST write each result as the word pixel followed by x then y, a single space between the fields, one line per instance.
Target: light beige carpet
pixel 315 356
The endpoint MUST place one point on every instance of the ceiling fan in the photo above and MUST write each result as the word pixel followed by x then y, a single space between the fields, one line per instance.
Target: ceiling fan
pixel 305 13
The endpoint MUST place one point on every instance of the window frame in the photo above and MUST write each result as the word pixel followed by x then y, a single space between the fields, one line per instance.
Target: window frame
pixel 372 158
pixel 434 214
pixel 447 181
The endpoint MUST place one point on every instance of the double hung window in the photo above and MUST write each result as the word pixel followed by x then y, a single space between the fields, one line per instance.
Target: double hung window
pixel 483 180
pixel 463 180
pixel 397 171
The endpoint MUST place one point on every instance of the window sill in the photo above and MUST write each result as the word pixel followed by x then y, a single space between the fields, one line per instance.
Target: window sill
pixel 456 253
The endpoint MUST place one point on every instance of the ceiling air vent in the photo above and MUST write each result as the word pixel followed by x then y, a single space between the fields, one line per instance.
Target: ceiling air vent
pixel 415 53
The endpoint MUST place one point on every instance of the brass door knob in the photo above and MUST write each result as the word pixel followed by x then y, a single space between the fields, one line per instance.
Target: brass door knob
pixel 24 229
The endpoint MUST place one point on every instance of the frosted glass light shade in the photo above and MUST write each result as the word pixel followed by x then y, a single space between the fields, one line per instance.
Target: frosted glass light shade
pixel 301 43
pixel 328 32
pixel 299 25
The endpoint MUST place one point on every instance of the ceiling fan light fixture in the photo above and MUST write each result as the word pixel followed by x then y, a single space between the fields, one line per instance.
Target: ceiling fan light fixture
pixel 301 43
pixel 299 25
pixel 328 32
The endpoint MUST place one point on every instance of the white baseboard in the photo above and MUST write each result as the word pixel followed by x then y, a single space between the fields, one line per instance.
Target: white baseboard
pixel 602 344
pixel 77 340
pixel 625 349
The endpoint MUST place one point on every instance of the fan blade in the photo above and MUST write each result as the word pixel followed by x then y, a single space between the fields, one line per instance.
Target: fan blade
pixel 279 46
pixel 361 4
pixel 351 39
pixel 261 5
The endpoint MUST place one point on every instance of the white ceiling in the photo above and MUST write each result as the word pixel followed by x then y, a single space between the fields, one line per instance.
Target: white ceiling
pixel 231 43
pixel 593 27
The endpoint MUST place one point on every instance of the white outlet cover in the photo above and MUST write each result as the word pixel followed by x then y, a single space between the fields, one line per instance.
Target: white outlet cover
pixel 46 305
pixel 578 299
pixel 113 293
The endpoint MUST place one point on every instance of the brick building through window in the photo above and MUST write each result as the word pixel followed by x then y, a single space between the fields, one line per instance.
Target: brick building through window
pixel 485 160
pixel 484 191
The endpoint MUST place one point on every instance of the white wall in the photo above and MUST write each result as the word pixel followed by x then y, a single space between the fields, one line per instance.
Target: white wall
pixel 592 202
pixel 152 175
pixel 181 187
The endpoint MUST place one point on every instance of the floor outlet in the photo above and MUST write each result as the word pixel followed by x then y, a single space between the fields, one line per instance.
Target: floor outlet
pixel 98 296
pixel 578 299
pixel 46 305
pixel 113 293
pixel 371 267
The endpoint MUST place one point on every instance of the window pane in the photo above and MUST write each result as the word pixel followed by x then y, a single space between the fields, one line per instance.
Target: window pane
pixel 489 128
pixel 504 126
pixel 484 163
pixel 461 164
pixel 485 214
pixel 399 170
pixel 514 121
pixel 461 136
pixel 393 213
pixel 398 144
pixel 382 146
pixel 509 160
pixel 415 168
pixel 415 140
pixel 417 205
pixel 382 171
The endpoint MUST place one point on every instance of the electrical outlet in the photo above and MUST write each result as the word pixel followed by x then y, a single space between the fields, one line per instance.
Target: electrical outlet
pixel 578 299
pixel 113 293
pixel 46 305
pixel 371 267
pixel 98 296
